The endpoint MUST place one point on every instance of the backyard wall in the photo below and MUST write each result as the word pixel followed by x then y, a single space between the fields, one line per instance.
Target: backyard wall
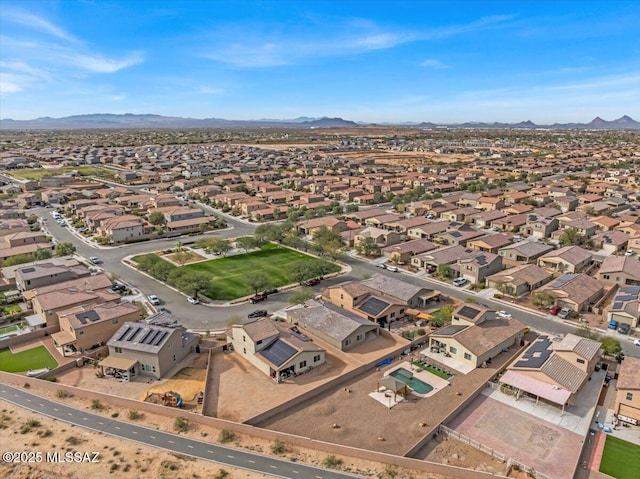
pixel 23 338
pixel 329 448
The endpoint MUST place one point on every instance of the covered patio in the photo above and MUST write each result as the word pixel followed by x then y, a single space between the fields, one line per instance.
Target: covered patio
pixel 390 391
pixel 119 368
pixel 64 341
pixel 523 384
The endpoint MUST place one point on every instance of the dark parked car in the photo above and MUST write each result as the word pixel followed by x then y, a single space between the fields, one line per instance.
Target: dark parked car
pixel 261 313
pixel 312 282
pixel 119 288
pixel 624 328
pixel 270 291
pixel 258 297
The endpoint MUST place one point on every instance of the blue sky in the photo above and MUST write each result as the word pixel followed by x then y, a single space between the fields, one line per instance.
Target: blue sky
pixel 375 61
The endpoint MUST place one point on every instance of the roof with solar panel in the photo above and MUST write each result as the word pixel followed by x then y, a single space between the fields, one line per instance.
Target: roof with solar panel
pixel 141 336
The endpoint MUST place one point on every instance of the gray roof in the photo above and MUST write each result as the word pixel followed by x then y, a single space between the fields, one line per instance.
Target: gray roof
pixel 392 287
pixel 328 319
pixel 529 248
pixel 141 336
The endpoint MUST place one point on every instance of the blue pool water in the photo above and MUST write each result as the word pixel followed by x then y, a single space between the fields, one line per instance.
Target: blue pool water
pixel 406 377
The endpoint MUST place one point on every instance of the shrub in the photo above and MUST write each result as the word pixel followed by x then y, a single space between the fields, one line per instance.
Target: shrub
pixel 52 379
pixel 226 436
pixel 221 474
pixel 46 433
pixel 134 415
pixel 278 447
pixel 181 424
pixel 96 404
pixel 115 414
pixel 61 393
pixel 331 462
pixel 73 440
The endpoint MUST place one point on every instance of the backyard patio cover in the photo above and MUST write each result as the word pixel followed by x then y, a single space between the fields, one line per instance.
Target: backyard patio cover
pixel 536 387
pixel 62 338
pixel 121 364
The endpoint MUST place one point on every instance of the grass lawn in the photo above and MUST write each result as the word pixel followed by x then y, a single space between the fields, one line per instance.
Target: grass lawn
pixel 37 174
pixel 432 370
pixel 228 275
pixel 620 459
pixel 11 308
pixel 12 327
pixel 35 358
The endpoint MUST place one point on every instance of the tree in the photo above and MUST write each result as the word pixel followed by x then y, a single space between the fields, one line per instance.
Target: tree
pixel 368 247
pixel 156 218
pixel 220 246
pixel 300 271
pixel 504 288
pixel 443 271
pixel 378 197
pixel 258 281
pixel 301 295
pixel 246 243
pixel 65 248
pixel 611 346
pixel 277 214
pixel 40 254
pixel 293 214
pixel 587 332
pixel 192 282
pixel 161 270
pixel 351 208
pixel 32 219
pixel 270 232
pixel 570 236
pixel 542 299
pixel 321 268
pixel 442 316
pixel 182 256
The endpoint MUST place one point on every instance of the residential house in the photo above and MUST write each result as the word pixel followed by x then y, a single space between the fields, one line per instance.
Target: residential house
pixel 275 350
pixel 486 203
pixel 85 326
pixel 570 259
pixel 478 266
pixel 337 327
pixel 380 237
pixel 120 229
pixel 442 256
pixel 309 227
pixel 428 231
pixel 539 226
pixel 611 242
pixel 475 336
pixel 46 273
pixel 622 270
pixel 523 252
pixel 519 280
pixel 22 238
pixel 491 243
pixel 458 236
pixel 625 306
pixel 403 252
pixel 553 371
pixel 578 292
pixel 627 402
pixel 147 349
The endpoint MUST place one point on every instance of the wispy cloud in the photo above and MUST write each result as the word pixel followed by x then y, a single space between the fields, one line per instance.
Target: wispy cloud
pixel 99 63
pixel 273 48
pixel 433 63
pixel 40 24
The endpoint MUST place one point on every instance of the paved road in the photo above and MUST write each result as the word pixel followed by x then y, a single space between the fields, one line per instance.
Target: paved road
pixel 202 317
pixel 163 440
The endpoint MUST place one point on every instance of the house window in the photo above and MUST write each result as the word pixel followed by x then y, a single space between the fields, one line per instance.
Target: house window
pixel 244 338
pixel 114 320
pixel 80 331
pixel 153 368
pixel 580 361
pixel 347 342
pixel 629 396
pixel 174 358
pixel 467 356
pixel 119 350
pixel 259 342
pixel 606 276
pixel 453 350
pixel 402 311
pixel 359 337
pixel 341 296
pixel 303 364
pixel 316 358
pixel 392 315
pixel 244 350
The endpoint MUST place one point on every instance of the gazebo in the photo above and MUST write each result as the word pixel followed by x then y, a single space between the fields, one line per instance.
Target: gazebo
pixel 392 385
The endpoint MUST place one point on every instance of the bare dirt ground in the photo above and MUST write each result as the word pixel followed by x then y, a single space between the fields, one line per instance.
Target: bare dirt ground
pixel 365 423
pixel 146 462
pixel 449 451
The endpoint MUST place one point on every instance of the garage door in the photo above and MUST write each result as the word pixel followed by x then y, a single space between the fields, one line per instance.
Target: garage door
pixel 630 412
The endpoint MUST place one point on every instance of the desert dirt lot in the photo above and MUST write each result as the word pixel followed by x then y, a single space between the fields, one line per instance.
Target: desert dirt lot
pixel 234 383
pixel 147 462
pixel 364 422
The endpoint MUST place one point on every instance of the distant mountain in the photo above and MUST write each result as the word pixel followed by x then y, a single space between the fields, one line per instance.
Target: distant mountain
pixel 129 120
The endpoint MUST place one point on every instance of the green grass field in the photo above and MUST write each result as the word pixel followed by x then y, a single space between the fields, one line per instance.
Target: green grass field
pixel 39 173
pixel 620 459
pixel 10 328
pixel 228 275
pixel 35 358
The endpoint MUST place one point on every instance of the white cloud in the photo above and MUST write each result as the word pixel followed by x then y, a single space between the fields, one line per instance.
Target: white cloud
pixel 433 63
pixel 9 84
pixel 37 23
pixel 100 64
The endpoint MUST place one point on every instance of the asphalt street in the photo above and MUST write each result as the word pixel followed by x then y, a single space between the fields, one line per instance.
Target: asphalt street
pixel 200 317
pixel 163 440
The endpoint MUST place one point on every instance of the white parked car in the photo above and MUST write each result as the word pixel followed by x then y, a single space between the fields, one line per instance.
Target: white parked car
pixel 503 314
pixel 393 269
pixel 153 299
pixel 193 300
pixel 636 342
pixel 95 260
pixel 459 282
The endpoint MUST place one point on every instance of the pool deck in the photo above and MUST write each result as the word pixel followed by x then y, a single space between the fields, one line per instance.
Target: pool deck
pixel 435 381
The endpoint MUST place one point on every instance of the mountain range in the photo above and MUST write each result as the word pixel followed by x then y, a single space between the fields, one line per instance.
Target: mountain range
pixel 130 120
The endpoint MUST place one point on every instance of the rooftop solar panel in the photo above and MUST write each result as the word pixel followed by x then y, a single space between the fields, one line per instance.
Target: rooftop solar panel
pixel 27 270
pixel 451 330
pixel 160 338
pixel 278 352
pixel 87 316
pixel 124 333
pixel 558 283
pixel 373 306
pixel 133 333
pixel 536 354
pixel 144 338
pixel 468 312
pixel 152 337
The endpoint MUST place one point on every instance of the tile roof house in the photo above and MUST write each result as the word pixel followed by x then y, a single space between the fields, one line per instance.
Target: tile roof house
pixel 627 402
pixel 442 256
pixel 523 252
pixel 611 241
pixel 491 243
pixel 570 259
pixel 276 351
pixel 622 270
pixel 381 237
pixel 403 252
pixel 473 338
pixel 625 306
pixel 519 280
pixel 554 371
pixel 337 327
pixel 575 291
pixel 478 266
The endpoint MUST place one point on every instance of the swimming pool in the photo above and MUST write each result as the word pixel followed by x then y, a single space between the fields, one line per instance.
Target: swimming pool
pixel 415 384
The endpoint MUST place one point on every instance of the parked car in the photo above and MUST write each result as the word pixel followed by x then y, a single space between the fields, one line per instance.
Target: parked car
pixel 193 300
pixel 636 342
pixel 153 299
pixel 564 313
pixel 624 328
pixel 613 324
pixel 95 260
pixel 270 291
pixel 119 288
pixel 459 282
pixel 503 314
pixel 554 310
pixel 260 313
pixel 393 269
pixel 381 265
pixel 312 282
pixel 257 298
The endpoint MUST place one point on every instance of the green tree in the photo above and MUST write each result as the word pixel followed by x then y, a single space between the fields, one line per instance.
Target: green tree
pixel 442 316
pixel 587 332
pixel 443 271
pixel 293 214
pixel 40 254
pixel 65 248
pixel 378 197
pixel 182 256
pixel 258 281
pixel 220 246
pixel 246 243
pixel 156 218
pixel 570 236
pixel 277 214
pixel 368 247
pixel 192 282
pixel 301 295
pixel 543 299
pixel 32 219
pixel 351 208
pixel 161 270
pixel 321 268
pixel 300 271
pixel 611 346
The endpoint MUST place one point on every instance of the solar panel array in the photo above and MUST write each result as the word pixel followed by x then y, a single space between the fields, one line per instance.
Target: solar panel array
pixel 374 306
pixel 152 336
pixel 481 259
pixel 536 354
pixel 278 352
pixel 451 330
pixel 562 280
pixel 468 312
pixel 27 270
pixel 86 316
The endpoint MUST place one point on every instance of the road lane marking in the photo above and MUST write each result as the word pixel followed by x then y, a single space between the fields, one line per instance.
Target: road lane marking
pixel 134 432
pixel 210 451
pixel 70 414
pixel 252 461
pixel 189 446
pixel 41 405
pixel 117 427
pixel 171 442
pixel 152 437
pixel 272 466
pixel 230 456
pixel 55 408
pixel 84 418
pixel 101 423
